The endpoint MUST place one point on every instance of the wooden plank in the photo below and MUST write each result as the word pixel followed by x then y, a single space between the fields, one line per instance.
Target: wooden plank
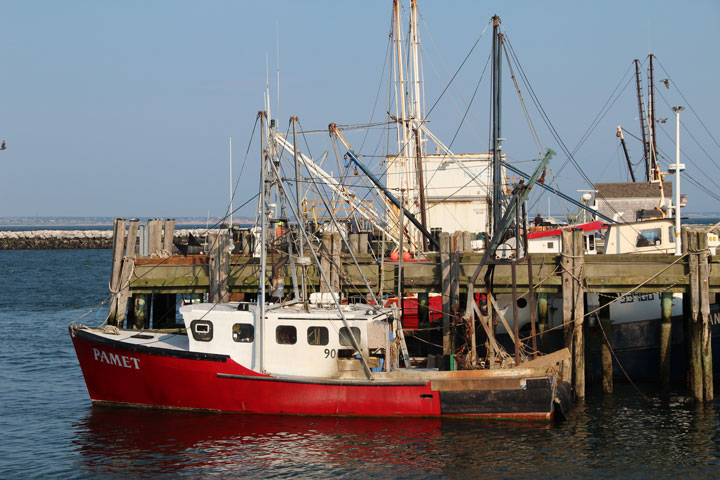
pixel 131 241
pixel 548 360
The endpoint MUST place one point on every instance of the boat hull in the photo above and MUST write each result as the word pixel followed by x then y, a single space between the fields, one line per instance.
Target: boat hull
pixel 118 373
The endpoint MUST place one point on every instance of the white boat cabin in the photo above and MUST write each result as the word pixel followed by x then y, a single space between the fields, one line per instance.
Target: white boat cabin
pixel 289 341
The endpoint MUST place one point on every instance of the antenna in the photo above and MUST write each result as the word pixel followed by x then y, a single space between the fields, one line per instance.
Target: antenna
pixel 231 189
pixel 277 61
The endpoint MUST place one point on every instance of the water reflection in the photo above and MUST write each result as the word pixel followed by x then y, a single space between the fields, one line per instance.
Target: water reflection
pixel 151 442
pixel 621 435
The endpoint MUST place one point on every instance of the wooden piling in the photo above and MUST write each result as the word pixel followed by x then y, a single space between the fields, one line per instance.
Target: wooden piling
pixel 117 256
pixel 704 321
pixel 665 345
pixel 219 261
pixel 542 311
pixel 154 226
pixel 336 262
pixel 566 265
pixel 606 346
pixel 169 236
pixel 363 243
pixel 579 313
pixel 445 269
pixel 695 370
pixel 325 252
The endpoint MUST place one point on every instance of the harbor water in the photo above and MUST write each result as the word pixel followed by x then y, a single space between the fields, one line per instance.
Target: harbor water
pixel 50 430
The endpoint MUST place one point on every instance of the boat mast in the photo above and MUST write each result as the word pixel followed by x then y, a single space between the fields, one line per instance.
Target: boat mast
pixel 260 319
pixel 654 167
pixel 403 141
pixel 298 203
pixel 641 114
pixel 496 118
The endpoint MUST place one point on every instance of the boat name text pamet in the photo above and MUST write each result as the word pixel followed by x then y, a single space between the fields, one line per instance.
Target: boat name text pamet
pixel 115 359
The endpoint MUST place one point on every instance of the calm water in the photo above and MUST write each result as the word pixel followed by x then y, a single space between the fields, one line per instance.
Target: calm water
pixel 49 429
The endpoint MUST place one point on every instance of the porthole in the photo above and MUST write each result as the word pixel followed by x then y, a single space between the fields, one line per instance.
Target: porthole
pixel 202 330
pixel 522 303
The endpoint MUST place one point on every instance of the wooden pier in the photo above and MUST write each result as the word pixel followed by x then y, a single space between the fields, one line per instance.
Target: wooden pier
pixel 137 281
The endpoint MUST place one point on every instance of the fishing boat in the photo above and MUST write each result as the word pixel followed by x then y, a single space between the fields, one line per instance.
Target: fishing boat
pixel 319 361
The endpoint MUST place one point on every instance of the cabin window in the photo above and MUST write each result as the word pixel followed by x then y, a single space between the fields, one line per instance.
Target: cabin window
pixel 243 332
pixel 345 339
pixel 202 330
pixel 286 335
pixel 648 237
pixel 550 245
pixel 589 243
pixel 672 234
pixel 317 336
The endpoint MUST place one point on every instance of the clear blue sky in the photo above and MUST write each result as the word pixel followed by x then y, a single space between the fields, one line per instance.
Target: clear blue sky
pixel 124 108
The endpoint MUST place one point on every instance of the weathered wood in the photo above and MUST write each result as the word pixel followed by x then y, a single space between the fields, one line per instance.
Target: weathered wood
pixel 578 313
pixel 154 226
pixel 566 265
pixel 325 253
pixel 117 256
pixel 706 336
pixel 696 378
pixel 354 243
pixel 665 345
pixel 467 242
pixel 123 295
pixel 606 346
pixel 363 244
pixel 542 310
pixel 169 235
pixel 446 267
pixel 336 262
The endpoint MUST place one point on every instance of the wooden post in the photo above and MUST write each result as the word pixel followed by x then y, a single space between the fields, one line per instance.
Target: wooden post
pixel 704 321
pixel 542 310
pixel 117 254
pixel 169 235
pixel 579 312
pixel 128 265
pixel 354 242
pixel 665 344
pixel 445 272
pixel 154 226
pixel 467 242
pixel 606 346
pixel 219 265
pixel 566 264
pixel 336 262
pixel 363 243
pixel 325 251
pixel 696 378
pixel 455 275
pixel 531 304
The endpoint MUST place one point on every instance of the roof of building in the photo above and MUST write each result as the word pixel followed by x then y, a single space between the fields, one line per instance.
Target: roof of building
pixel 608 191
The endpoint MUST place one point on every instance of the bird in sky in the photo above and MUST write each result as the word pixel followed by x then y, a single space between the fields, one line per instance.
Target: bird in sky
pixel 2 146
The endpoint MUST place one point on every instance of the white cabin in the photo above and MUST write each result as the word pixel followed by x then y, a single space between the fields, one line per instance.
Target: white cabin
pixel 292 342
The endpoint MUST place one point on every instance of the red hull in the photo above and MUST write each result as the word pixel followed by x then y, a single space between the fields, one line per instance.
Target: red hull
pixel 118 373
